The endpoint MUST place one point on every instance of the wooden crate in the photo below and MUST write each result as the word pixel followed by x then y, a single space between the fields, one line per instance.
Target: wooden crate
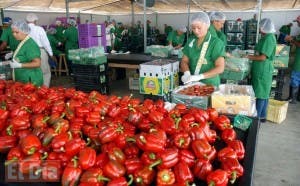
pixel 277 111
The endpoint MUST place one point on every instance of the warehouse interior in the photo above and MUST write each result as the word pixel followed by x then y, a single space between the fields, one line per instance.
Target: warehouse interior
pixel 277 160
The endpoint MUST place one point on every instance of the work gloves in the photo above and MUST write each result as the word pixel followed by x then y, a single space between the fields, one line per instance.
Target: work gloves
pixel 188 78
pixel 8 55
pixel 15 64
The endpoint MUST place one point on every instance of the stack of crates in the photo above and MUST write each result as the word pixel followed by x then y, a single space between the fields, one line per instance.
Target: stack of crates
pixel 87 35
pixel 235 32
pixel 5 71
pixel 91 77
pixel 278 84
pixel 158 78
pixel 251 34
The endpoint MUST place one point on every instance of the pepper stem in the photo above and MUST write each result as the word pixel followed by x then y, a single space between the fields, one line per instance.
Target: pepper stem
pixel 45 119
pixel 31 151
pixel 181 142
pixel 10 161
pixel 130 179
pixel 177 122
pixel 128 139
pixel 143 139
pixel 37 172
pixel 45 155
pixel 233 177
pixel 155 163
pixel 165 177
pixel 9 130
pixel 88 141
pixel 211 183
pixel 102 178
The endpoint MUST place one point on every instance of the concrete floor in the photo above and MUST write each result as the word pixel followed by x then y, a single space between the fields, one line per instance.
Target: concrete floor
pixel 278 145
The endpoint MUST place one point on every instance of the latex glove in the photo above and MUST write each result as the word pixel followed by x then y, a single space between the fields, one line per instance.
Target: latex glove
pixel 8 55
pixel 194 78
pixel 15 64
pixel 186 76
pixel 59 43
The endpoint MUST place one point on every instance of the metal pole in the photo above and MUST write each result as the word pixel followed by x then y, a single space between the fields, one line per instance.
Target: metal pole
pixel 2 14
pixel 145 27
pixel 189 12
pixel 132 14
pixel 258 19
pixel 67 9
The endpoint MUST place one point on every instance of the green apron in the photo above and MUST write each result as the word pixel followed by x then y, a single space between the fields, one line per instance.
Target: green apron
pixel 54 43
pixel 27 52
pixel 8 37
pixel 285 29
pixel 168 30
pixel 218 34
pixel 118 39
pixel 71 37
pixel 214 51
pixel 296 66
pixel 59 35
pixel 175 38
pixel 261 71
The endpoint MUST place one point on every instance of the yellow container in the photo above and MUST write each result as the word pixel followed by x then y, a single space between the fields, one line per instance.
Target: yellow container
pixel 277 111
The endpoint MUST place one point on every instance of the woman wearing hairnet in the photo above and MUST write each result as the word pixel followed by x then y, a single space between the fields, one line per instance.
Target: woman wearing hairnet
pixel 26 59
pixel 203 57
pixel 176 37
pixel 262 66
pixel 71 39
pixel 217 23
pixel 53 41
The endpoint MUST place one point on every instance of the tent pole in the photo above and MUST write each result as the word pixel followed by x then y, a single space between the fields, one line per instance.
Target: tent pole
pixel 145 27
pixel 2 15
pixel 67 9
pixel 189 12
pixel 132 14
pixel 258 19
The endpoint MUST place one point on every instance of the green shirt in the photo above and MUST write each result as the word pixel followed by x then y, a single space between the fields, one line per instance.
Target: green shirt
pixel 71 37
pixel 168 29
pixel 8 37
pixel 215 50
pixel 296 66
pixel 262 70
pixel 54 43
pixel 175 39
pixel 285 29
pixel 59 35
pixel 29 51
pixel 218 34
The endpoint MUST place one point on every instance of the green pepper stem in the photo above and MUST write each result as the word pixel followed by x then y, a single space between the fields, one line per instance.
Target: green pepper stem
pixel 181 142
pixel 38 171
pixel 88 141
pixel 31 151
pixel 102 178
pixel 45 155
pixel 45 119
pixel 155 164
pixel 128 139
pixel 233 177
pixel 14 159
pixel 177 122
pixel 211 183
pixel 143 139
pixel 130 179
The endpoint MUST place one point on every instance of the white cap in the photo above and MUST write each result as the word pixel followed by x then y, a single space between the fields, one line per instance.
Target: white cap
pixel 58 22
pixel 266 26
pixel 217 16
pixel 31 17
pixel 182 29
pixel 201 17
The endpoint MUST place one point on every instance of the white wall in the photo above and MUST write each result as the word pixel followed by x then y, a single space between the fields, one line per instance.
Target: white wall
pixel 176 20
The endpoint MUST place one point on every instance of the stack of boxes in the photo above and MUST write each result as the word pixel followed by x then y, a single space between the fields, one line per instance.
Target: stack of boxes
pixel 87 35
pixel 235 32
pixel 251 34
pixel 159 77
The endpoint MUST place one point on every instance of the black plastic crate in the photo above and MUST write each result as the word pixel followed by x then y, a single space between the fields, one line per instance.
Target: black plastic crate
pixel 79 69
pixel 91 79
pixel 235 38
pixel 102 88
pixel 235 26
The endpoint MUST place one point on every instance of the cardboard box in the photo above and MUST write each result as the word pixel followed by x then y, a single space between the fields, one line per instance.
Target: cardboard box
pixel 175 75
pixel 234 99
pixel 155 77
pixel 134 83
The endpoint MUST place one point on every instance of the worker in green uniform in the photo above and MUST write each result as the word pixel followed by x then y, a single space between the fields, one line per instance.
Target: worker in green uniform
pixel 53 41
pixel 176 38
pixel 217 23
pixel 285 30
pixel 203 55
pixel 262 66
pixel 59 35
pixel 26 59
pixel 118 37
pixel 167 29
pixel 295 76
pixel 7 37
pixel 71 40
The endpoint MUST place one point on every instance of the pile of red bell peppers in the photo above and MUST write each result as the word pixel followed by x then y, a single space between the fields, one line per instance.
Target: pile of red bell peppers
pixel 97 139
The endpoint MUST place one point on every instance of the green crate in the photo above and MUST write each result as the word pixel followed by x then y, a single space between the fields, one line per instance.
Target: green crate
pixel 251 38
pixel 159 50
pixel 251 26
pixel 242 122
pixel 234 75
pixel 91 61
pixel 281 61
pixel 235 38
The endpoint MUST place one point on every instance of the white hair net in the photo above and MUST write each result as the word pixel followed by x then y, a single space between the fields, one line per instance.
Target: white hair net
pixel 182 29
pixel 58 22
pixel 217 16
pixel 31 17
pixel 22 26
pixel 267 26
pixel 72 22
pixel 201 17
pixel 52 31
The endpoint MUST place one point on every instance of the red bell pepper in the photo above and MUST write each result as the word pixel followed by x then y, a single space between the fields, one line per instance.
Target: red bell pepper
pixel 114 169
pixel 218 177
pixel 39 121
pixel 7 142
pixel 29 163
pixel 116 154
pixel 59 141
pixel 168 158
pixel 71 174
pixel 108 133
pixel 222 122
pixel 61 126
pixel 155 141
pixel 87 158
pixel 3 114
pixel 101 160
pixel 131 150
pixel 168 125
pixel 156 117
pixel 238 147
pixel 228 135
pixel 183 173
pixel 93 118
pixel 234 169
pixel 81 111
pixel 113 111
pixel 39 107
pixel 144 176
pixel 48 136
pixel 187 156
pixel 58 106
pixel 213 113
pixel 51 170
pixel 135 116
pixel 202 168
pixel 145 125
pixel 121 181
pixel 93 176
pixel 73 146
pixel 13 155
pixel 201 116
pixel 201 148
pixel 30 144
pixel 197 133
pixel 149 158
pixel 165 177
pixel 182 140
pixel 19 111
pixel 20 122
pixel 226 152
pixel 133 165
